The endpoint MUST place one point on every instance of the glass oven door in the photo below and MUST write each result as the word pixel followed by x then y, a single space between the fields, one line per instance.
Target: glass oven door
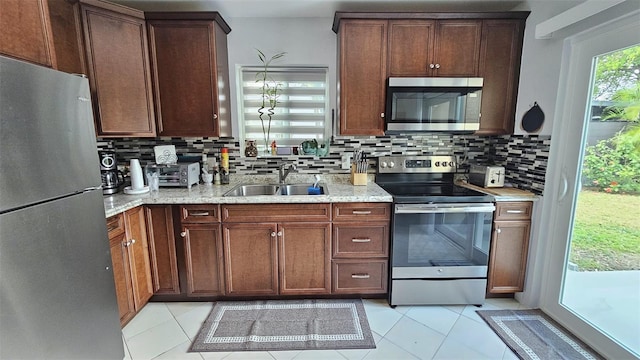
pixel 441 240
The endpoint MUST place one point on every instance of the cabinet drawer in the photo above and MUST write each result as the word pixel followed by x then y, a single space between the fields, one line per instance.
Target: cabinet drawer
pixel 115 225
pixel 198 214
pixel 520 210
pixel 363 276
pixel 362 240
pixel 361 211
pixel 276 213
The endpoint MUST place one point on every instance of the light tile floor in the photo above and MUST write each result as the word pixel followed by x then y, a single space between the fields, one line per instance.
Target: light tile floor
pixel 165 330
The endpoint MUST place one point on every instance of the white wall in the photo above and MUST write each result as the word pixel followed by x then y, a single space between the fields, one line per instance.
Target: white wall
pixel 307 41
pixel 541 58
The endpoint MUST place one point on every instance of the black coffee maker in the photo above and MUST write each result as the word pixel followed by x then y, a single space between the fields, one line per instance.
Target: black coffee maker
pixel 112 178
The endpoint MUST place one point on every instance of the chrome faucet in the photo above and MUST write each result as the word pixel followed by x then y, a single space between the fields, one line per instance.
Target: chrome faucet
pixel 283 171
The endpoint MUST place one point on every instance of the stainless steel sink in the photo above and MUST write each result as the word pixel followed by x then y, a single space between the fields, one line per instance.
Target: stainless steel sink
pixel 252 190
pixel 271 189
pixel 299 189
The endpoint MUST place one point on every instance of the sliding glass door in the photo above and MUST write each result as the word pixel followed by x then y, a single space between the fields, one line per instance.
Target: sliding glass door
pixel 593 278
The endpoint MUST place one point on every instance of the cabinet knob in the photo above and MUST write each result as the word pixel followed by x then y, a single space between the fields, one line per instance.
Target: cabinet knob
pixel 437 66
pixel 215 116
pixel 273 234
pixel 431 66
pixel 279 233
pixel 133 241
pixel 126 243
pixel 498 231
pixel 183 234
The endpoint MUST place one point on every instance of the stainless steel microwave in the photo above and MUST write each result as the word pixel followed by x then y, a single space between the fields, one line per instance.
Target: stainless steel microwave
pixel 433 104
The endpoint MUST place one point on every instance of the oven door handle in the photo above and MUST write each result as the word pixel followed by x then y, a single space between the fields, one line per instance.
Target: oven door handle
pixel 444 208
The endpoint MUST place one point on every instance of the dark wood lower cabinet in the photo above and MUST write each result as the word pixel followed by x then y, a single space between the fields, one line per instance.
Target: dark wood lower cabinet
pixel 122 277
pixel 250 258
pixel 288 253
pixel 304 258
pixel 267 250
pixel 509 247
pixel 130 259
pixel 203 259
pixel 162 249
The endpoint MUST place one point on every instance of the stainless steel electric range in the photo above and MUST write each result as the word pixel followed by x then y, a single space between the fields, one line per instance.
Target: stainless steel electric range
pixel 441 232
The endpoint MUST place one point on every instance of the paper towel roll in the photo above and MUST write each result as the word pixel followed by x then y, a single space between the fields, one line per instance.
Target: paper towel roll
pixel 135 171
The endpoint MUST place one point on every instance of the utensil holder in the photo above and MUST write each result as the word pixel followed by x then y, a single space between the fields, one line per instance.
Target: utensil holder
pixel 357 179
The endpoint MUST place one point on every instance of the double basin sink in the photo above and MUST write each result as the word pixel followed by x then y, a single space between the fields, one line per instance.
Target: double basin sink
pixel 275 190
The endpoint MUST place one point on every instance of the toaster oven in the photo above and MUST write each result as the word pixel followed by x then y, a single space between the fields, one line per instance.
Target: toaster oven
pixel 175 175
pixel 486 176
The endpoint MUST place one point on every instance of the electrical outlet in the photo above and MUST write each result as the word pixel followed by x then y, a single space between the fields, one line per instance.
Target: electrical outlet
pixel 346 161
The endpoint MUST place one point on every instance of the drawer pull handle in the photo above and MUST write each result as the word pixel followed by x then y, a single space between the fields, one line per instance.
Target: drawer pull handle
pixel 360 276
pixel 360 212
pixel 515 211
pixel 360 240
pixel 203 213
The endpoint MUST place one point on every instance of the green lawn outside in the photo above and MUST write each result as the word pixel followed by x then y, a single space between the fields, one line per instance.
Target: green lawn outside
pixel 606 233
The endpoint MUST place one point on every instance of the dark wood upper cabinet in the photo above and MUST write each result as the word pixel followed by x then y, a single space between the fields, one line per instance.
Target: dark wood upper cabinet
pixel 66 25
pixel 487 45
pixel 457 48
pixel 118 69
pixel 500 57
pixel 434 48
pixel 362 54
pixel 411 47
pixel 25 31
pixel 190 73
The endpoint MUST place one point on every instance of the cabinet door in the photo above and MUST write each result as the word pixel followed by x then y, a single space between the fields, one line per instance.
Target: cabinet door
pixel 250 259
pixel 162 248
pixel 66 26
pixel 122 277
pixel 304 258
pixel 138 247
pixel 203 259
pixel 457 47
pixel 119 76
pixel 183 57
pixel 25 31
pixel 363 71
pixel 500 56
pixel 411 47
pixel 508 256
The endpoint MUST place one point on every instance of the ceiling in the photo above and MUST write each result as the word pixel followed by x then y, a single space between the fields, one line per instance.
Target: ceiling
pixel 314 8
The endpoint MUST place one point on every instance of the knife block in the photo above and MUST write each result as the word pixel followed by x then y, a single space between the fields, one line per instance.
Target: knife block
pixel 357 178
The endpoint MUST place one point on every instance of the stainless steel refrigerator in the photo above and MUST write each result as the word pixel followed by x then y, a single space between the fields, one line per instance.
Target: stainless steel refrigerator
pixel 57 294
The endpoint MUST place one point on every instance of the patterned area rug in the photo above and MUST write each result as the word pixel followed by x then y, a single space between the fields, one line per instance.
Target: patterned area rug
pixel 285 325
pixel 533 335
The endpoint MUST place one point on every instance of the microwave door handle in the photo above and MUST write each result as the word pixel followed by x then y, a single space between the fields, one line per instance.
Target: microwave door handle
pixel 434 209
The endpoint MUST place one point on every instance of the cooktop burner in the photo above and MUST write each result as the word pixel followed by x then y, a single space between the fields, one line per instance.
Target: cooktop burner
pixel 424 179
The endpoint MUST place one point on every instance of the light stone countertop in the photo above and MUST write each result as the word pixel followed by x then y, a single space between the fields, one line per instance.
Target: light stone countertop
pixel 503 194
pixel 338 187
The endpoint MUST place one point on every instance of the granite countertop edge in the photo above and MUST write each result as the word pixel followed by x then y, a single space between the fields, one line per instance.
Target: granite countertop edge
pixel 338 186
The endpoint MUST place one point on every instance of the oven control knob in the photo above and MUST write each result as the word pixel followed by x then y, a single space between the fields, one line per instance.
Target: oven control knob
pixel 451 164
pixel 437 163
pixel 383 164
pixel 391 164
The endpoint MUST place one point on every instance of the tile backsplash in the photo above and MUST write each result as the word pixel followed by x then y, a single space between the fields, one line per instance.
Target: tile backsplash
pixel 524 157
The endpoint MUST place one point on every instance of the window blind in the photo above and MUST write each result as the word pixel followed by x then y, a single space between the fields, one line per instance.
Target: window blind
pixel 301 110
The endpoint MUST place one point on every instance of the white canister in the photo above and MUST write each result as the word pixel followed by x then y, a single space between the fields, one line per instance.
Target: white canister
pixel 135 171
